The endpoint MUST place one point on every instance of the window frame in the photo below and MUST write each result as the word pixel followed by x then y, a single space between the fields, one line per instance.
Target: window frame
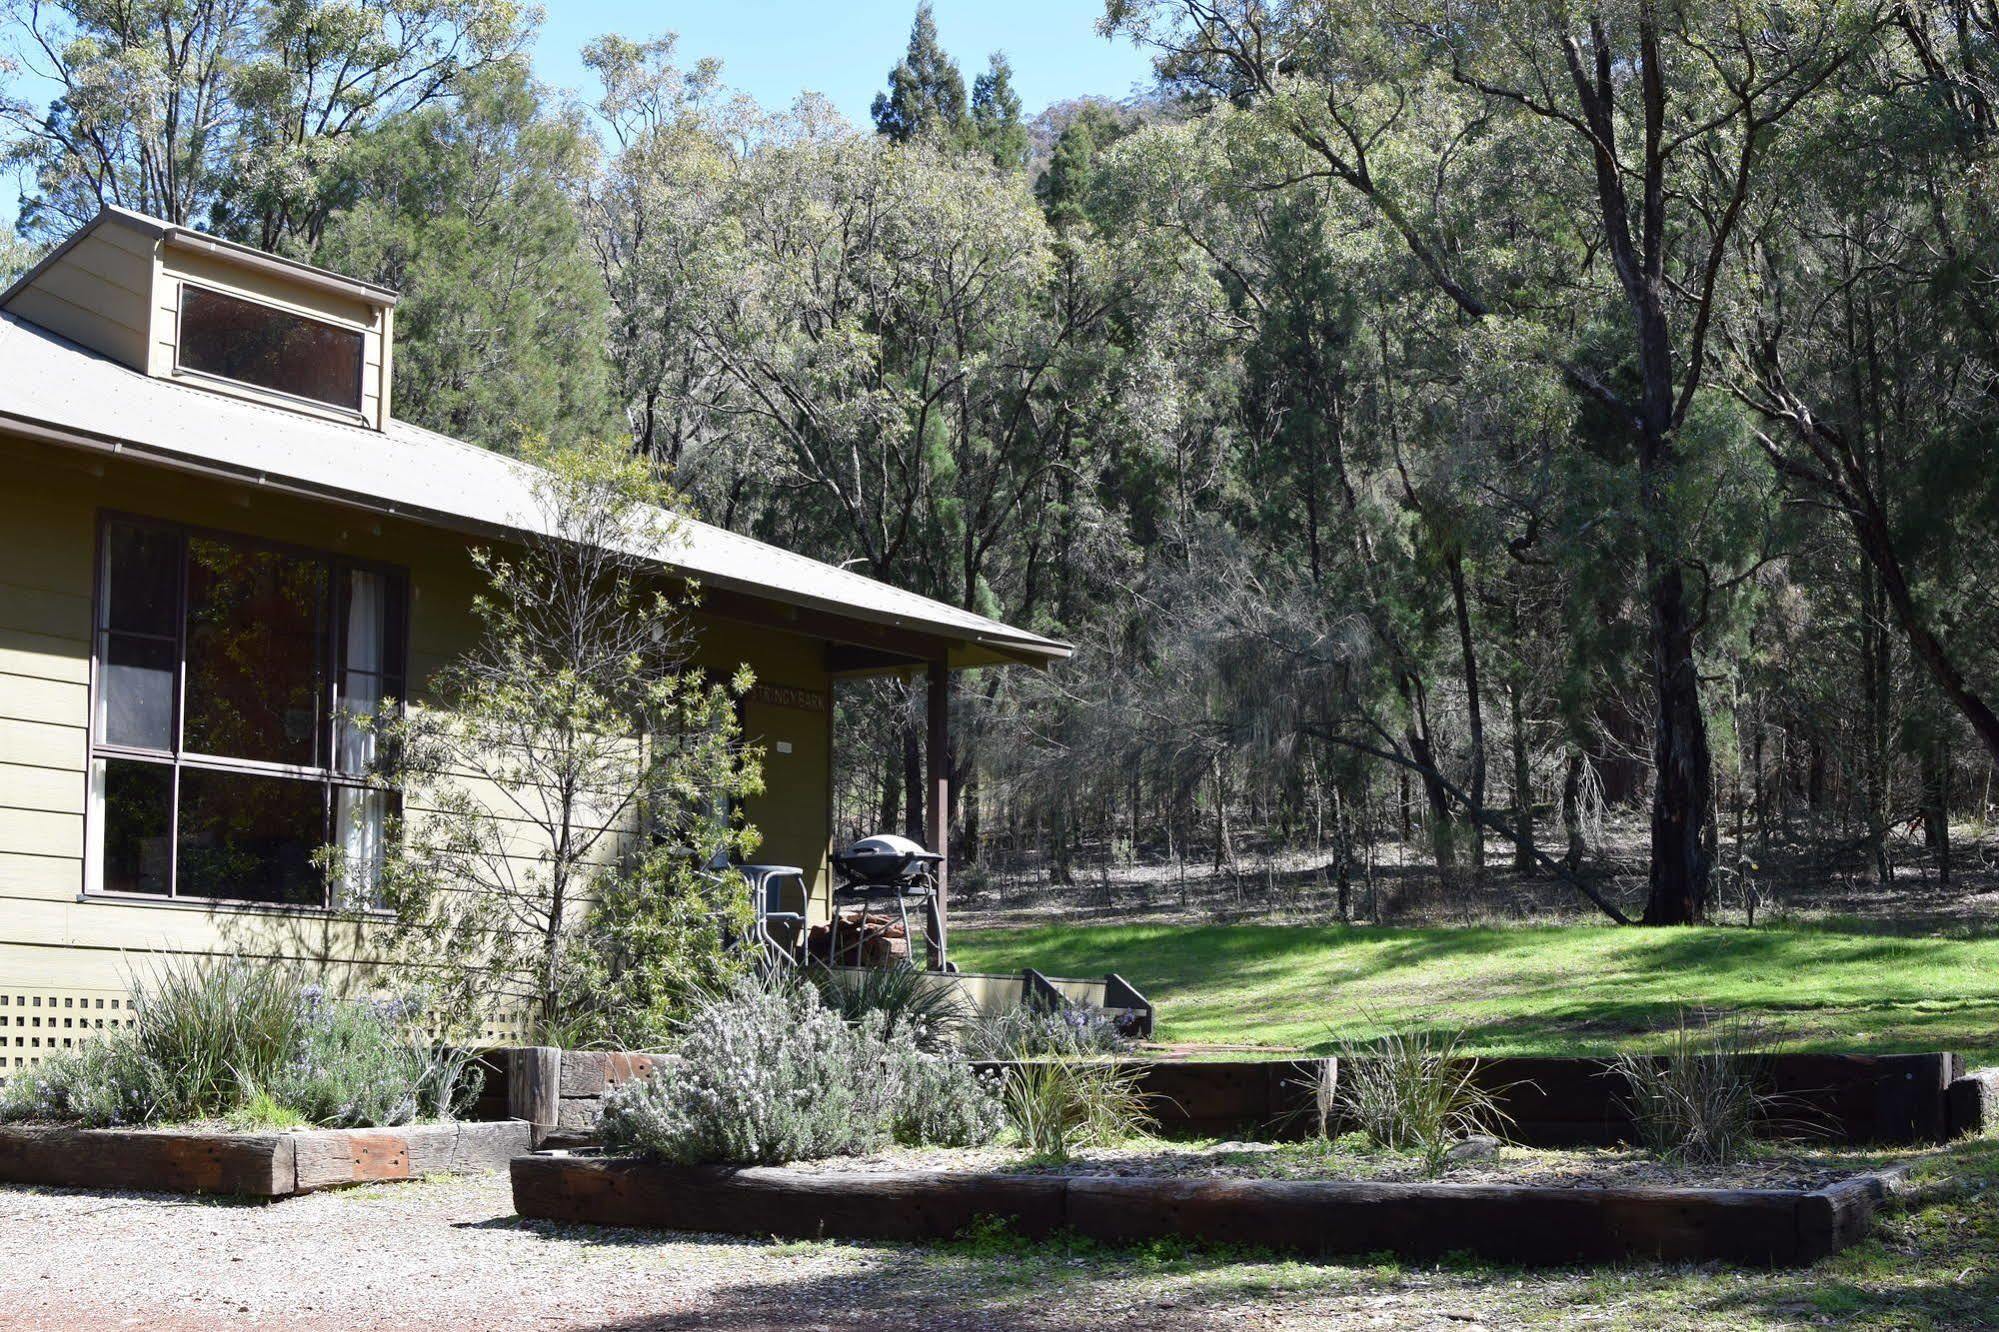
pixel 332 654
pixel 356 411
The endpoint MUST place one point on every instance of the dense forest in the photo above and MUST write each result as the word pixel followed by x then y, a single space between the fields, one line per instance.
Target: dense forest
pixel 1545 448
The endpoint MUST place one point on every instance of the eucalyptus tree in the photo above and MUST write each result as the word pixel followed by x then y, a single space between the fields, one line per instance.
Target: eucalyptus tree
pixel 227 113
pixel 1638 132
pixel 657 228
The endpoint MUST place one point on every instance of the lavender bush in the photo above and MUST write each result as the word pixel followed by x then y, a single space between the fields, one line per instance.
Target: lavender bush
pixel 220 1041
pixel 765 1074
pixel 1041 1033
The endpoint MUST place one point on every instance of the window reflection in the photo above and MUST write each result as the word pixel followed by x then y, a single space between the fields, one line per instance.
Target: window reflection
pixel 278 664
pixel 138 812
pixel 254 652
pixel 270 348
pixel 250 838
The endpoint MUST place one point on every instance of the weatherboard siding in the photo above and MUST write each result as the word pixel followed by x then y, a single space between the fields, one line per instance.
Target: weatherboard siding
pixel 98 293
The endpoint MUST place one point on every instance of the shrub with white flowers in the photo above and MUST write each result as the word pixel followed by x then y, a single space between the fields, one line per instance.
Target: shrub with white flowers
pixel 764 1074
pixel 1040 1033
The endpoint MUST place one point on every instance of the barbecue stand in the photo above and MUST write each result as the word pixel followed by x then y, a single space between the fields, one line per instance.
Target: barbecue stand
pixel 876 872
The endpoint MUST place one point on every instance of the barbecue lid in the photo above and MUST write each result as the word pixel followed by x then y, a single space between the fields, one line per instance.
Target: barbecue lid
pixel 887 844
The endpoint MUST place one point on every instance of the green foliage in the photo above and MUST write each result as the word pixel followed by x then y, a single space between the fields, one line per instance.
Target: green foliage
pixel 657 935
pixel 1064 187
pixel 996 123
pixel 228 114
pixel 617 762
pixel 1411 1093
pixel 470 212
pixel 913 1008
pixel 263 1112
pixel 763 1074
pixel 1059 1104
pixel 248 1042
pixel 926 93
pixel 1702 1100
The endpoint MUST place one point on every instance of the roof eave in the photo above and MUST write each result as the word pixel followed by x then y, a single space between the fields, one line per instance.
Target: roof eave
pixel 368 293
pixel 968 650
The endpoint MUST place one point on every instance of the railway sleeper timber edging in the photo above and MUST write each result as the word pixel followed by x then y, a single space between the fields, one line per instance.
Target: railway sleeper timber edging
pixel 252 1165
pixel 1512 1223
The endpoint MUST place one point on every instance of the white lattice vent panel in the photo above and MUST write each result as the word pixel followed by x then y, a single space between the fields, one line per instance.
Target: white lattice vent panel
pixel 507 1026
pixel 40 1021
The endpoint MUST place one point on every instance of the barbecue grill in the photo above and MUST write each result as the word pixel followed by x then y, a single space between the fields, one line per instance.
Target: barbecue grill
pixel 885 860
pixel 886 869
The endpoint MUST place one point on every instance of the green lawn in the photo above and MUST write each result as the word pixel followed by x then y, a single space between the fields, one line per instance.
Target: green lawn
pixel 1528 989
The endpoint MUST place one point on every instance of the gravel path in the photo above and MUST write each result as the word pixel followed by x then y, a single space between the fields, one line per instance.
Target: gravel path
pixel 451 1254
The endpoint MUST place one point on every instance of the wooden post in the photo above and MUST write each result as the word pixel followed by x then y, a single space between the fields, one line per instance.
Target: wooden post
pixel 937 701
pixel 534 1088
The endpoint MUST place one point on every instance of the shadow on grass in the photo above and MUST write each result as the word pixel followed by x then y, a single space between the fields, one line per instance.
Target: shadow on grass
pixel 1932 1263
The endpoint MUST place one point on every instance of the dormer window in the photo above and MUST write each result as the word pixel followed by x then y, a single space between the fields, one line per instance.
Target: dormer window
pixel 269 348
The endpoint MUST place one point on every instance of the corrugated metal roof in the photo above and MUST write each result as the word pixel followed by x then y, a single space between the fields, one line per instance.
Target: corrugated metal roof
pixel 49 382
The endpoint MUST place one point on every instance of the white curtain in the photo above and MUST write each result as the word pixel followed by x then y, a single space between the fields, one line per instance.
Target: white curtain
pixel 358 817
pixel 359 814
pixel 361 680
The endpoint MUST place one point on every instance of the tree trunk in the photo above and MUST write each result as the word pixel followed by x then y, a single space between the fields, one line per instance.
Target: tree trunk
pixel 1682 807
pixel 1572 811
pixel 912 781
pixel 1438 803
pixel 1874 696
pixel 891 792
pixel 1523 784
pixel 966 793
pixel 1936 806
pixel 1474 709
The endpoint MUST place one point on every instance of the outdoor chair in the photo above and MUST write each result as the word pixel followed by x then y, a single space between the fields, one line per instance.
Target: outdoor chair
pixel 778 897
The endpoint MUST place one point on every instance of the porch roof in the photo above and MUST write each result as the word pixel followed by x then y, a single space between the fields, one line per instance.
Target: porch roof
pixel 58 391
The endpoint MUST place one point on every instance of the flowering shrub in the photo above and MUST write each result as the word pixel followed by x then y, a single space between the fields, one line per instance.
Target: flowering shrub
pixel 360 1063
pixel 939 1102
pixel 215 1042
pixel 1039 1033
pixel 762 1075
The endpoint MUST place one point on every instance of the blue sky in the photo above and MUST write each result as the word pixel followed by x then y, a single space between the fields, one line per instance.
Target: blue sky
pixel 775 49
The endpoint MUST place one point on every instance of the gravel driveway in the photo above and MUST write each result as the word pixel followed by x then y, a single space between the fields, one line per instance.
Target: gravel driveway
pixel 450 1253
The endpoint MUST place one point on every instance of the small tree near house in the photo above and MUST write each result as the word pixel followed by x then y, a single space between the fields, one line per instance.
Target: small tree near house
pixel 568 788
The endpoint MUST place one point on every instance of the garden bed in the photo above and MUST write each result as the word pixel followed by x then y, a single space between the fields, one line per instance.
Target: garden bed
pixel 1793 1213
pixel 251 1165
pixel 1899 1099
pixel 1768 1166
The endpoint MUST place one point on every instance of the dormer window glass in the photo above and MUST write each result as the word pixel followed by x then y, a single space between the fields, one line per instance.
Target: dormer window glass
pixel 269 348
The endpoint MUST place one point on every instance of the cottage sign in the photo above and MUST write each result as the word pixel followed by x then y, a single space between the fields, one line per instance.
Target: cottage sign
pixel 789 696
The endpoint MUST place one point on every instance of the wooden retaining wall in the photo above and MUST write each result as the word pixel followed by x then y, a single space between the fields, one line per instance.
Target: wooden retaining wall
pixel 1503 1223
pixel 251 1165
pixel 1897 1099
pixel 1568 1102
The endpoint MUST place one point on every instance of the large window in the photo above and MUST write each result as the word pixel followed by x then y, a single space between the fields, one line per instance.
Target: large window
pixel 228 734
pixel 270 348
